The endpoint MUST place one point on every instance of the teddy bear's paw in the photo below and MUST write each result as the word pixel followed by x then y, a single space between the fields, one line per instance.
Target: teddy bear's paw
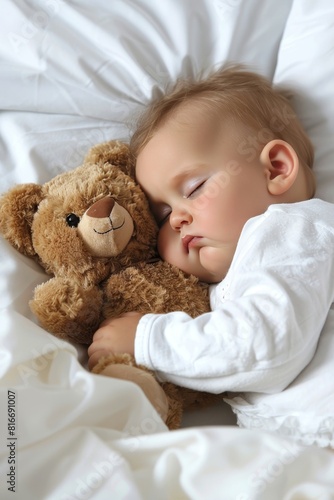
pixel 141 377
pixel 67 310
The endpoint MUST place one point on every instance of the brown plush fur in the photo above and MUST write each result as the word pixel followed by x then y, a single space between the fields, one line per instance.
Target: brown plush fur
pixel 93 280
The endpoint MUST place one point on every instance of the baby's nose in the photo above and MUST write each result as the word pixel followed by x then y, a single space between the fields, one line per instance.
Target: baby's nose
pixel 178 218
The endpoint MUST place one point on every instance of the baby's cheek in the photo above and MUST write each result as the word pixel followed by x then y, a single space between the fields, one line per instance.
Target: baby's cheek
pixel 216 260
pixel 166 244
pixel 170 250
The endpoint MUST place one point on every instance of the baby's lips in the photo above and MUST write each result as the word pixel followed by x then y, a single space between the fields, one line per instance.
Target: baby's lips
pixel 185 242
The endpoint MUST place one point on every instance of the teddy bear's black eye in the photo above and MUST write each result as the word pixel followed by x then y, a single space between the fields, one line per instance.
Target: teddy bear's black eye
pixel 72 220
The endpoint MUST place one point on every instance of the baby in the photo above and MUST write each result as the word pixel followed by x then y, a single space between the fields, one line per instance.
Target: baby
pixel 226 166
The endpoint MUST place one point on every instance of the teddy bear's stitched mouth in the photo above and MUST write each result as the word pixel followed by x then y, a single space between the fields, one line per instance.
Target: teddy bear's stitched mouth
pixel 111 229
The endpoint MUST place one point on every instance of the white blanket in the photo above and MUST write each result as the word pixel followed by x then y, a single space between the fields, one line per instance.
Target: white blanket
pixel 75 73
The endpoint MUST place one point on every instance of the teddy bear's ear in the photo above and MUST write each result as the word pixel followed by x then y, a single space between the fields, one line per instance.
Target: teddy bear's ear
pixel 17 209
pixel 114 152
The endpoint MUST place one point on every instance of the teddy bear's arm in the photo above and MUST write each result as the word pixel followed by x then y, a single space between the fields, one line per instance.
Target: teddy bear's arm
pixel 17 209
pixel 154 288
pixel 68 310
pixel 130 290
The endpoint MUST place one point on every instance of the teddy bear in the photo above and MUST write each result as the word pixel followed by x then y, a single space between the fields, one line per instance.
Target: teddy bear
pixel 92 230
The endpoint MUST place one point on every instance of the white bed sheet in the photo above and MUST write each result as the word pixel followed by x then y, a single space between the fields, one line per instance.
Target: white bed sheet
pixel 75 73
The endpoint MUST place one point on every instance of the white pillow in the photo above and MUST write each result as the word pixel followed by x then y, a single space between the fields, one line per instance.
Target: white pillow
pixel 101 60
pixel 77 73
pixel 306 63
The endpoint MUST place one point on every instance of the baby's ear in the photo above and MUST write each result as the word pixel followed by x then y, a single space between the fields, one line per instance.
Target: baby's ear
pixel 281 166
pixel 17 209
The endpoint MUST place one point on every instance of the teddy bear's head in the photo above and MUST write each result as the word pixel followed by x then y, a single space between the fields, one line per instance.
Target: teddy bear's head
pixel 83 224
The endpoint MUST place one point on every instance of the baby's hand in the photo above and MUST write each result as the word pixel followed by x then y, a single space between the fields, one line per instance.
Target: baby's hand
pixel 116 335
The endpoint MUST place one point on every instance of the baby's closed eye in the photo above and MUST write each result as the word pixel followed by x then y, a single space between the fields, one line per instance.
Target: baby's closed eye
pixel 195 191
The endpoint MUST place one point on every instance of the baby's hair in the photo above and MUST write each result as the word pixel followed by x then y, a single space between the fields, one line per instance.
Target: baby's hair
pixel 235 94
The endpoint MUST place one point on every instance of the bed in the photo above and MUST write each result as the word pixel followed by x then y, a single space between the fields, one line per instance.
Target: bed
pixel 75 73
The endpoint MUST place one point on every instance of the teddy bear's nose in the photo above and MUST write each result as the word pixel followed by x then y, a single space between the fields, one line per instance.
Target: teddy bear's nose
pixel 106 228
pixel 101 208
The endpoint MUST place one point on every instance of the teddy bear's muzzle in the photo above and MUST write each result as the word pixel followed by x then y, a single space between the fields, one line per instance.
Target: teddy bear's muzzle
pixel 106 228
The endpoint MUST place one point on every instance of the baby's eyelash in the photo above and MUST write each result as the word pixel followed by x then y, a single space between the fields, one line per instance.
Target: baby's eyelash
pixel 196 189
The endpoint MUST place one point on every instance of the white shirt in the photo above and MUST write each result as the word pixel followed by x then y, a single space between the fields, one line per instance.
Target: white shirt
pixel 267 314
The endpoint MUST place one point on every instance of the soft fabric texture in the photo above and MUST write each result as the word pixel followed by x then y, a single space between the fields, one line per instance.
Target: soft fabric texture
pixel 304 411
pixel 74 74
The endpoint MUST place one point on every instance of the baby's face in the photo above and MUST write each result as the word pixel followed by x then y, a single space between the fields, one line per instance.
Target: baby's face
pixel 202 192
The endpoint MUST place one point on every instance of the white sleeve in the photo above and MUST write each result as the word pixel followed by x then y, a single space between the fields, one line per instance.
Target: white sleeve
pixel 268 315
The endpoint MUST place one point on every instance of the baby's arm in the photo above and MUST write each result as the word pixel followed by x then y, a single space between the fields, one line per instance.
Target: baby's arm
pixel 115 335
pixel 266 315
